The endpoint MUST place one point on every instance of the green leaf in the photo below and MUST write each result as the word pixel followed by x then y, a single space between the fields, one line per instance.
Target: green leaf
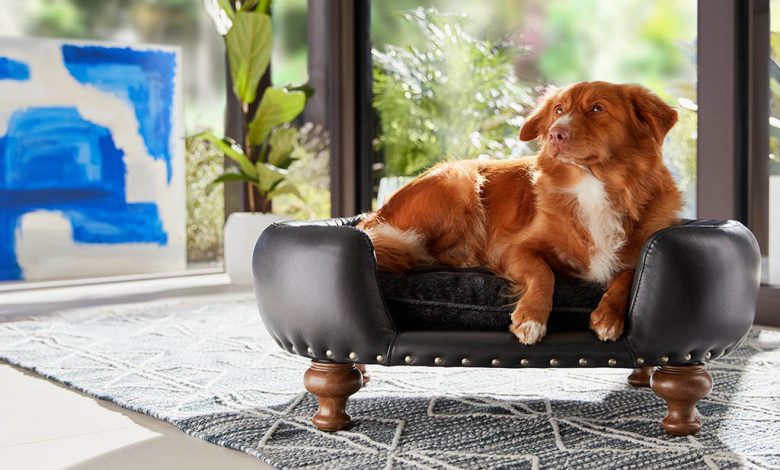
pixel 249 50
pixel 286 188
pixel 282 142
pixel 277 106
pixel 232 151
pixel 269 176
pixel 225 177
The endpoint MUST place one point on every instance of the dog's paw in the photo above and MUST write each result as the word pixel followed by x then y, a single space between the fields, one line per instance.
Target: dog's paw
pixel 529 332
pixel 607 323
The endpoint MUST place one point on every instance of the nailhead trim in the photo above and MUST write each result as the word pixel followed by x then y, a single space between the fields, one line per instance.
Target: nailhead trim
pixel 310 351
pixel 329 353
pixel 688 357
pixel 438 361
pixel 409 359
pixel 640 361
pixel 553 362
pixel 353 356
pixel 523 362
pixel 664 359
pixel 466 361
pixel 380 358
pixel 707 355
pixel 583 361
pixel 612 363
pixel 495 362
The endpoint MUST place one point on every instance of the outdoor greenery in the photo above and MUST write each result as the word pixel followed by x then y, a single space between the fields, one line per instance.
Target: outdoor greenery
pixel 265 154
pixel 457 97
pixel 205 206
pixel 774 95
pixel 310 172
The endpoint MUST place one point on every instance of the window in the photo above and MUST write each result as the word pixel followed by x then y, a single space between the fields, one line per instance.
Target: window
pixel 453 79
pixel 771 274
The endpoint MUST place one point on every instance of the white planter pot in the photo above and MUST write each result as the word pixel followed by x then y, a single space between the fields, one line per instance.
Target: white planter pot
pixel 242 230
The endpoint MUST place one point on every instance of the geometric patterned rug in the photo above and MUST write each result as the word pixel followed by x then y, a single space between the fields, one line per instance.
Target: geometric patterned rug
pixel 212 370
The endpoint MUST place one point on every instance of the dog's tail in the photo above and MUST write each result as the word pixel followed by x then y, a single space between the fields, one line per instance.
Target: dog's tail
pixel 396 250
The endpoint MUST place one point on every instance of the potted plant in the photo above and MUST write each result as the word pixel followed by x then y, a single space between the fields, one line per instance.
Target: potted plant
pixel 264 155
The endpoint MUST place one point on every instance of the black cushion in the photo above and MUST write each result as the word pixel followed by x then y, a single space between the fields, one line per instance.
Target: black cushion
pixel 439 298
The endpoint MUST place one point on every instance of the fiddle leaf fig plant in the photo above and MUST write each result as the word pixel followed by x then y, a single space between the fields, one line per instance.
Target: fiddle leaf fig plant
pixel 265 154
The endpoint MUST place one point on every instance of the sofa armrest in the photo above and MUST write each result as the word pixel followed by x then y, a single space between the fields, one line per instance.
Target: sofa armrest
pixel 694 293
pixel 317 291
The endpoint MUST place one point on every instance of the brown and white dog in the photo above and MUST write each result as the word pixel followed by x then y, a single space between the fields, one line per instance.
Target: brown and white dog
pixel 583 206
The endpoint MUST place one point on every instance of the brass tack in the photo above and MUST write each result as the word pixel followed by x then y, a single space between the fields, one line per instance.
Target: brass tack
pixel 583 361
pixel 553 362
pixel 329 353
pixel 523 362
pixel 707 355
pixel 612 363
pixel 380 358
pixel 438 360
pixel 640 361
pixel 310 351
pixel 664 359
pixel 465 361
pixel 496 362
pixel 353 356
pixel 408 359
pixel 688 357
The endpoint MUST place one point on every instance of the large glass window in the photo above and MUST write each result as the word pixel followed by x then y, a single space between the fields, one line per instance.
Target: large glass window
pixel 771 273
pixel 310 173
pixel 454 79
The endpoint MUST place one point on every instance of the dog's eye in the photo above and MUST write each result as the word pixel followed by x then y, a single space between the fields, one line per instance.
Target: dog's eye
pixel 597 108
pixel 559 109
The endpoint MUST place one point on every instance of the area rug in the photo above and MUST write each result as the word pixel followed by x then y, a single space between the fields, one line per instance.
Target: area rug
pixel 209 368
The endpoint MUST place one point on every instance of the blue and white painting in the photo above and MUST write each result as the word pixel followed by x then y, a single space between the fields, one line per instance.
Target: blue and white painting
pixel 91 160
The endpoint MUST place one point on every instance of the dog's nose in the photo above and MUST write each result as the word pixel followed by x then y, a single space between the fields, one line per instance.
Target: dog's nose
pixel 558 135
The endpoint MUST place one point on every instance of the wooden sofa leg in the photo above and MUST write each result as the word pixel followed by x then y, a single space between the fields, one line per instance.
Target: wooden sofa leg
pixel 681 387
pixel 366 374
pixel 640 377
pixel 332 384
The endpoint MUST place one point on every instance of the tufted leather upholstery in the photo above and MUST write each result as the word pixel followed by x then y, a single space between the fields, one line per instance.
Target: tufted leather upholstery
pixel 693 299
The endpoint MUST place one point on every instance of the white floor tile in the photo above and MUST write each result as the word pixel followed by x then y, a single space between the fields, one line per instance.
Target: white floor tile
pixel 44 425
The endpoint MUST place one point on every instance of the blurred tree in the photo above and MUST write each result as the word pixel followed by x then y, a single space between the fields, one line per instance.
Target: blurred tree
pixel 455 97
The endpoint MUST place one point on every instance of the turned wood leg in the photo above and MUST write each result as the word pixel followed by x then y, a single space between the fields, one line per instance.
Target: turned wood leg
pixel 366 374
pixel 681 387
pixel 640 377
pixel 332 384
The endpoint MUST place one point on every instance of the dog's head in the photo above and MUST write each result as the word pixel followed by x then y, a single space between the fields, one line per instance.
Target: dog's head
pixel 591 122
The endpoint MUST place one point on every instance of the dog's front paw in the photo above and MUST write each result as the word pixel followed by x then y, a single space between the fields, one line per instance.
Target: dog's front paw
pixel 529 331
pixel 607 322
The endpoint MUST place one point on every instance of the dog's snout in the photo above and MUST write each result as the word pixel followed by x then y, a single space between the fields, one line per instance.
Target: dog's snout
pixel 558 135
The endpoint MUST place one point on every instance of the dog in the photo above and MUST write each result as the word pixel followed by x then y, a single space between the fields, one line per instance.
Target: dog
pixel 583 206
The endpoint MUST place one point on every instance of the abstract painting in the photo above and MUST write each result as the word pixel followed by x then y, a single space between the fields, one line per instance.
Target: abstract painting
pixel 91 160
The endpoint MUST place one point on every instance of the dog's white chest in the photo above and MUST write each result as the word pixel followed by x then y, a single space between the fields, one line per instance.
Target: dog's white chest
pixel 604 225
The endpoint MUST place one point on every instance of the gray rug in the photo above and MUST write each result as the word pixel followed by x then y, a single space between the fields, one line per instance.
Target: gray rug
pixel 210 369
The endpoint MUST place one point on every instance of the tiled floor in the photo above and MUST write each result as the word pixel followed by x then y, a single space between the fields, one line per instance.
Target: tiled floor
pixel 44 425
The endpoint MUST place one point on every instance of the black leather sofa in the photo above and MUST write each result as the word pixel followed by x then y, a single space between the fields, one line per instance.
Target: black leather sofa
pixel 320 296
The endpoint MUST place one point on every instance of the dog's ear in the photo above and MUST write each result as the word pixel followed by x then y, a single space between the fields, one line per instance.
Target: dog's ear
pixel 651 112
pixel 533 124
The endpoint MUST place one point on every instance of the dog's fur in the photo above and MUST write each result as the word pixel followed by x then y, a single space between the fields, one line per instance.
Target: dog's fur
pixel 583 206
